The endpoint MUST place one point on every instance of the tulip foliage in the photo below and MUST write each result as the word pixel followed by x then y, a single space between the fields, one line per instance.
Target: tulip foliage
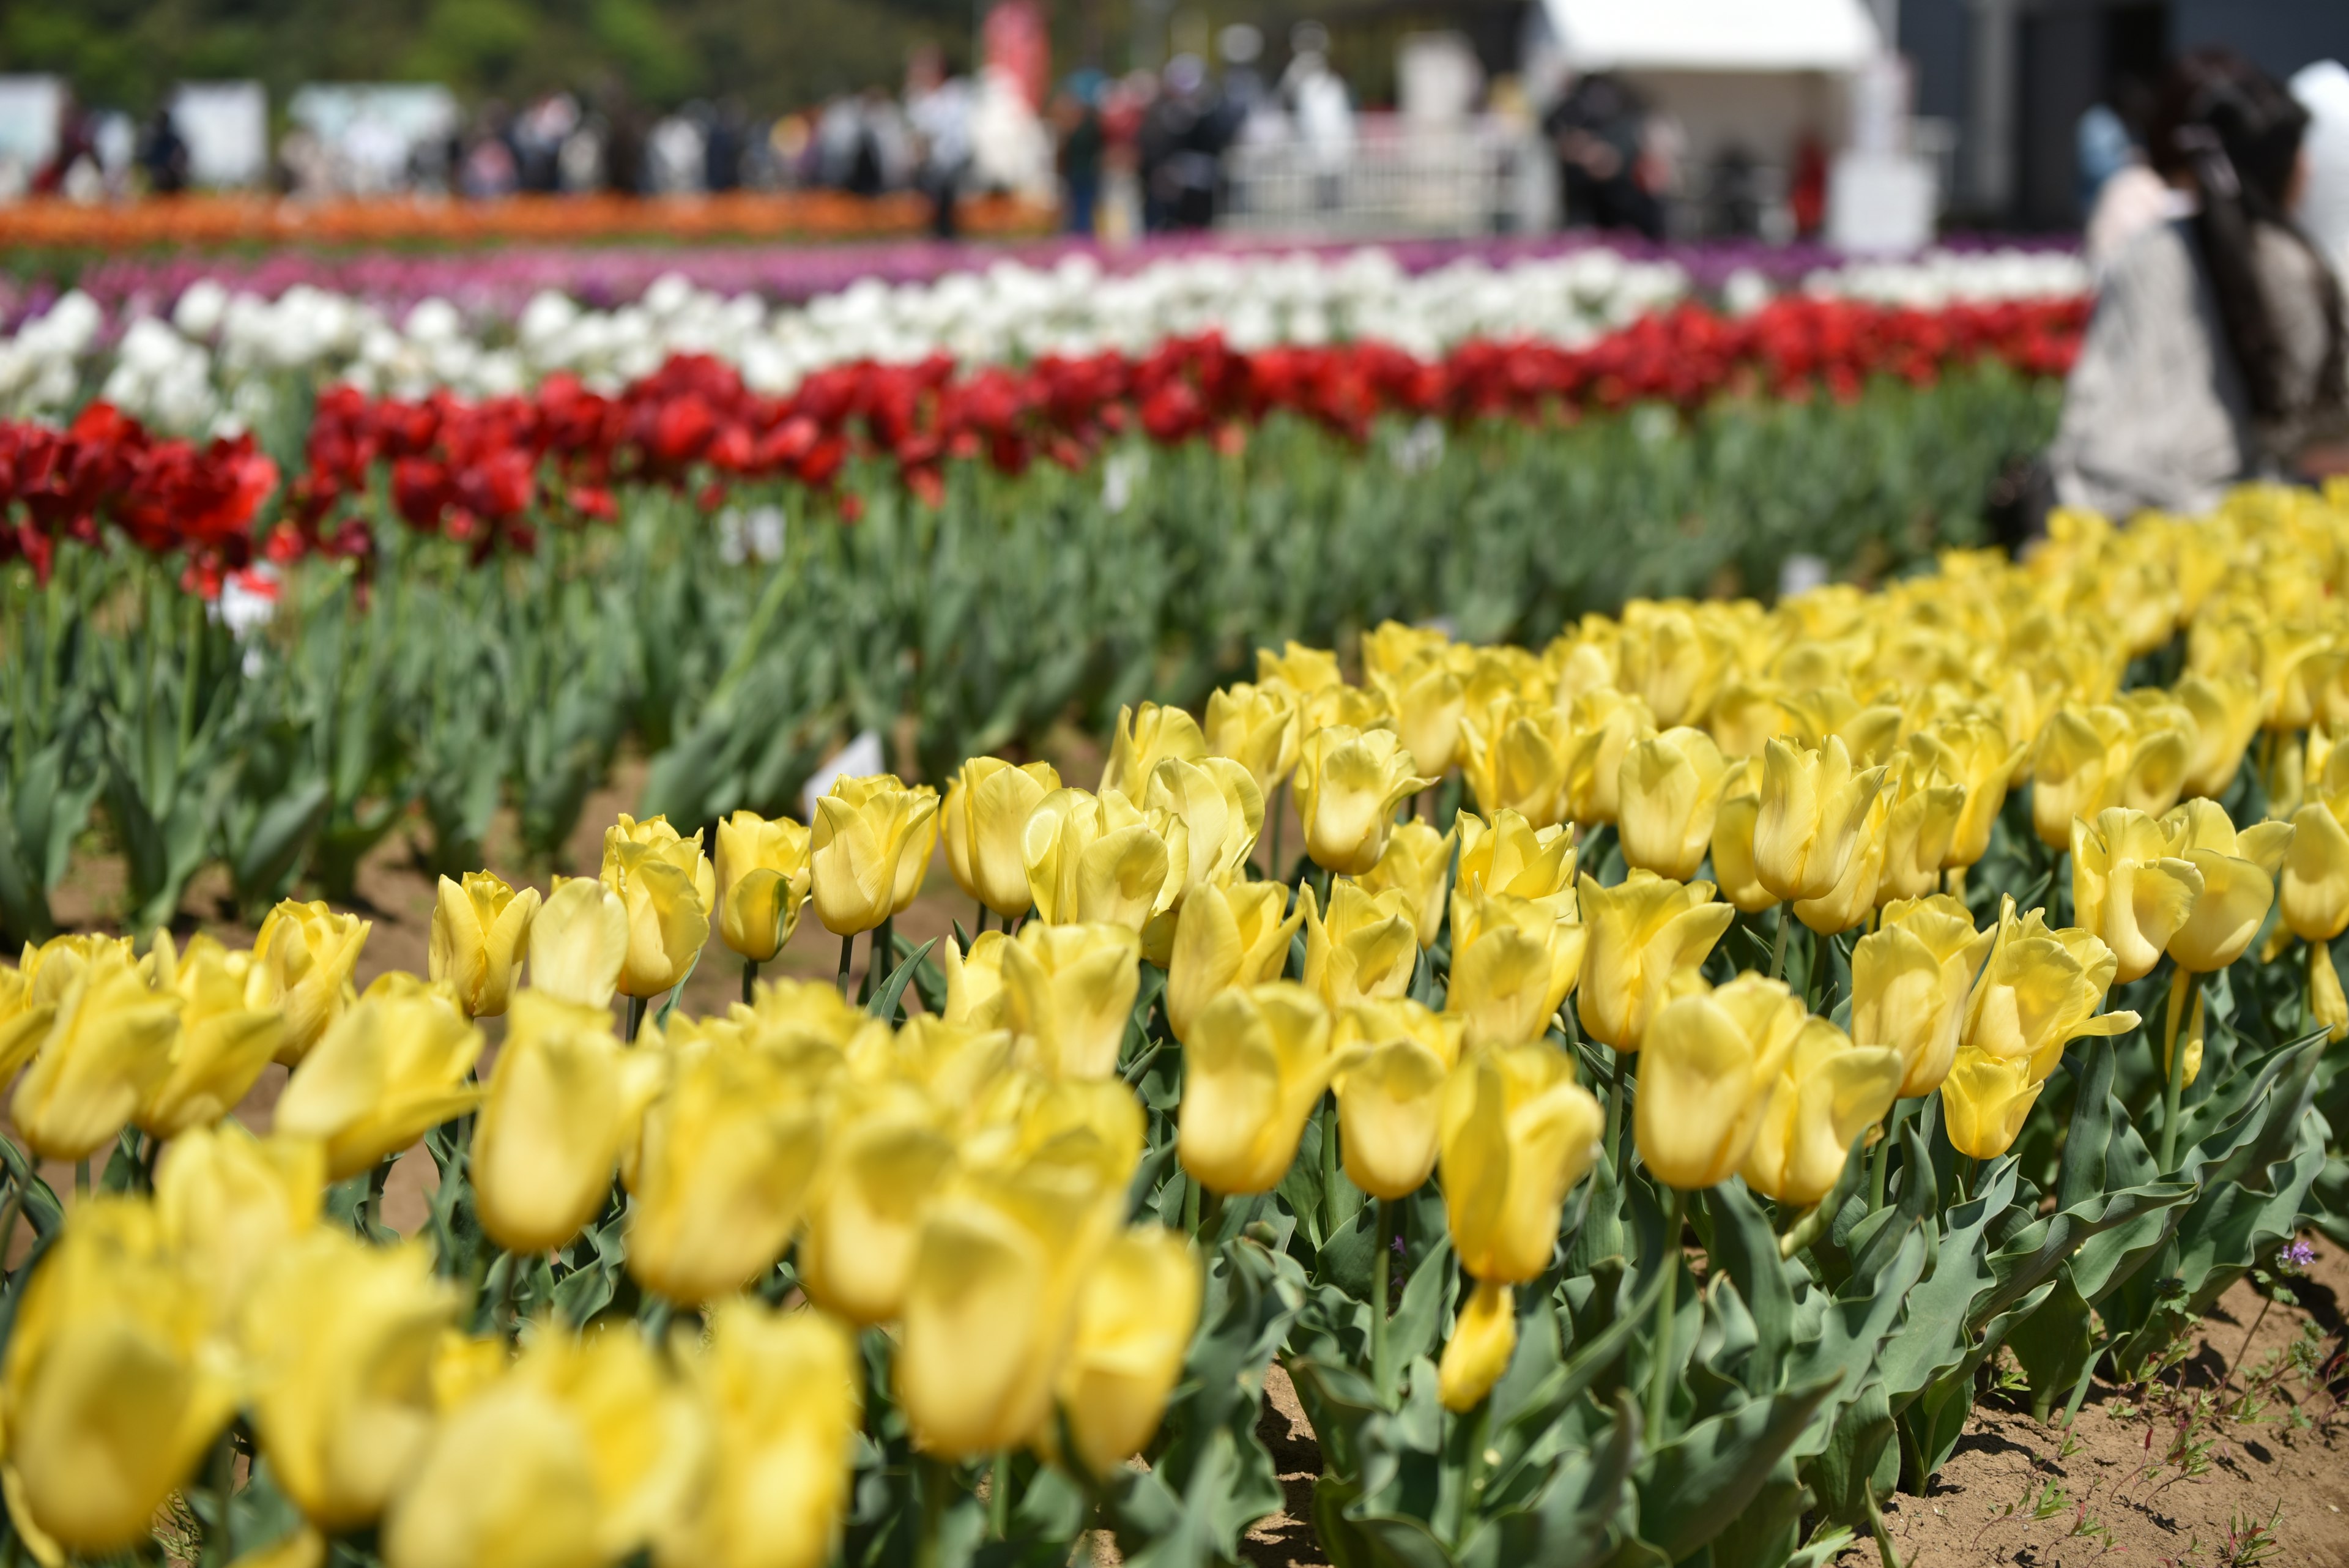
pixel 1645 1157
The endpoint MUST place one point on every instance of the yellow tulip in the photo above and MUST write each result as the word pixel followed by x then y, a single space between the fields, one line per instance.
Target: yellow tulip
pixel 1429 704
pixel 1869 734
pixel 1708 1073
pixel 1829 1092
pixel 1670 659
pixel 1920 826
pixel 1514 963
pixel 479 933
pixel 1135 1312
pixel 665 883
pixel 1910 980
pixel 782 1396
pixel 24 1020
pixel 1511 856
pixel 765 885
pixel 1257 1062
pixel 1394 1059
pixel 2073 769
pixel 1097 859
pixel 107 1050
pixel 110 1393
pixel 1973 751
pixel 1984 1101
pixel 1229 934
pixel 1813 818
pixel 2326 1004
pixel 1733 845
pixel 1144 737
pixel 1418 863
pixel 579 941
pixel 2040 989
pixel 230 1202
pixel 1070 989
pixel 2130 887
pixel 1854 896
pixel 389 1070
pixel 562 1101
pixel 1603 725
pixel 1349 784
pixel 1212 809
pixel 720 1171
pixel 341 1338
pixel 1003 1257
pixel 863 829
pixel 1484 1338
pixel 1647 937
pixel 311 952
pixel 2239 876
pixel 889 1154
pixel 584 1451
pixel 2226 712
pixel 975 982
pixel 921 845
pixel 1258 728
pixel 1390 646
pixel 1301 669
pixel 996 801
pixel 230 1030
pixel 1516 755
pixel 1368 948
pixel 2316 889
pixel 1667 797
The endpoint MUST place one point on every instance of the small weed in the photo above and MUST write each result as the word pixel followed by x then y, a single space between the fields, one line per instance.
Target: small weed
pixel 2051 1502
pixel 2249 1542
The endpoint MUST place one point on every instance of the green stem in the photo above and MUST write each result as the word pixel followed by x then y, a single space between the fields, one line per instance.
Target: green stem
pixel 82 1178
pixel 1815 983
pixel 659 1311
pixel 1659 1376
pixel 999 1498
pixel 749 980
pixel 8 1215
pixel 1778 943
pixel 847 951
pixel 880 956
pixel 501 1308
pixel 371 1208
pixel 1328 1166
pixel 1880 1160
pixel 219 1537
pixel 635 1017
pixel 929 1552
pixel 1615 1118
pixel 1381 1374
pixel 1890 1558
pixel 1191 1206
pixel 2176 1075
pixel 191 670
pixel 1803 1230
pixel 1211 1214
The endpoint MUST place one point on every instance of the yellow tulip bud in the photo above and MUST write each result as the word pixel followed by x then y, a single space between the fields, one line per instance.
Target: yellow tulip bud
pixel 1668 659
pixel 1418 863
pixel 24 1020
pixel 1511 856
pixel 1484 1338
pixel 1070 989
pixel 579 941
pixel 722 1167
pixel 1230 934
pixel 1257 727
pixel 2040 989
pixel 229 1202
pixel 107 1050
pixel 1394 1059
pixel 2239 875
pixel 1910 980
pixel 782 1395
pixel 1829 1092
pixel 665 883
pixel 311 952
pixel 921 845
pixel 110 1393
pixel 1667 796
pixel 997 801
pixel 1746 717
pixel 230 1030
pixel 888 1157
pixel 1257 1063
pixel 1429 704
pixel 1514 962
pixel 1854 896
pixel 1869 734
pixel 480 931
pixel 1919 826
pixel 387 1071
pixel 584 1451
pixel 1368 947
pixel 1144 737
pixel 765 867
pixel 1516 755
pixel 2326 1005
pixel 1301 669
pixel 2316 872
pixel 1813 818
pixel 1603 725
pixel 1708 1074
pixel 863 830
pixel 2226 712
pixel 1349 784
pixel 1135 1312
pixel 1647 937
pixel 1209 812
pixel 2075 770
pixel 1974 753
pixel 975 982
pixel 1732 846
pixel 563 1100
pixel 1984 1101
pixel 2129 887
pixel 1390 646
pixel 1517 1133
pixel 341 1338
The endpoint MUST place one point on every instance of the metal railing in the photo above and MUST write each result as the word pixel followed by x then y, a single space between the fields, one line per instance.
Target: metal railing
pixel 1393 179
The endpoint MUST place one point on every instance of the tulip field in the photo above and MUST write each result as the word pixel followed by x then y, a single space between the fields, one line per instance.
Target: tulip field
pixel 1641 1065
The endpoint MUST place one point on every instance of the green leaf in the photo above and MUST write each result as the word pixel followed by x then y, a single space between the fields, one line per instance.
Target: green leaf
pixel 1746 1246
pixel 1695 1486
pixel 884 1001
pixel 2055 1346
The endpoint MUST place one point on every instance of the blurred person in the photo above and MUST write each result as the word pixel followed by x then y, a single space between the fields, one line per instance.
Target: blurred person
pixel 1180 150
pixel 579 161
pixel 939 108
pixel 1081 142
pixel 2216 351
pixel 1011 149
pixel 2323 90
pixel 1322 109
pixel 76 151
pixel 675 155
pixel 163 155
pixel 2121 196
pixel 1806 188
pixel 538 137
pixel 725 147
pixel 1599 133
pixel 490 169
pixel 2101 147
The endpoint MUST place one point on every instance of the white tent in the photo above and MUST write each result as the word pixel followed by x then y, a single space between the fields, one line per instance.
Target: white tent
pixel 1745 37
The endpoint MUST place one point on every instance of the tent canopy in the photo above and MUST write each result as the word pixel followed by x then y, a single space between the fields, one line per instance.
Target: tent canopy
pixel 1835 35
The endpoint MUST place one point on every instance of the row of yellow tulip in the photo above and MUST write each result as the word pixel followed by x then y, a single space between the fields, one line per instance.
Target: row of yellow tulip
pixel 964 1178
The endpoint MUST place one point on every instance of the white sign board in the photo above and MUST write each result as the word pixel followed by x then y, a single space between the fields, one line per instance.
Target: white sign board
pixel 226 128
pixel 1880 203
pixel 30 108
